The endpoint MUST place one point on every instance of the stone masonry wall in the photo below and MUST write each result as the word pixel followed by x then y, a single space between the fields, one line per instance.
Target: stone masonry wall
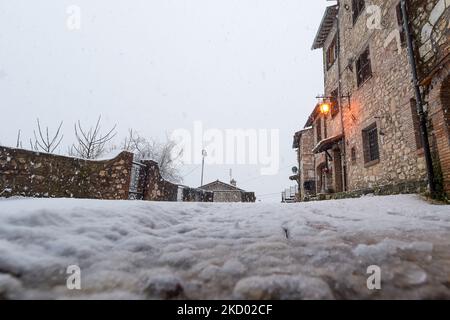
pixel 384 99
pixel 33 174
pixel 431 28
pixel 306 162
pixel 156 188
pixel 197 195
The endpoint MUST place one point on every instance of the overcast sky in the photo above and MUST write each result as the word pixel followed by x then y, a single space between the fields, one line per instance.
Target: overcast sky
pixel 160 65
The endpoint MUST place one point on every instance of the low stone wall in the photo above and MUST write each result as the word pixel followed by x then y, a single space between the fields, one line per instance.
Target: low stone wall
pixel 197 195
pixel 248 197
pixel 157 189
pixel 34 174
pixel 409 187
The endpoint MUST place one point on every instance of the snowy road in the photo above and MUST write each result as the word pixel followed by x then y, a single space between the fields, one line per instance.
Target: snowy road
pixel 147 250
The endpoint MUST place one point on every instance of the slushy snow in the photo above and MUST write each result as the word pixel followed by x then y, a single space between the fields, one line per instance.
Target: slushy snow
pixel 149 250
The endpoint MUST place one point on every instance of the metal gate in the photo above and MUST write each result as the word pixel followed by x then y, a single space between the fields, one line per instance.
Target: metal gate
pixel 136 191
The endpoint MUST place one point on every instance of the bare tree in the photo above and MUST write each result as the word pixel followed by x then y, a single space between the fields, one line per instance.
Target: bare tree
pixel 33 146
pixel 91 144
pixel 166 154
pixel 19 141
pixel 43 141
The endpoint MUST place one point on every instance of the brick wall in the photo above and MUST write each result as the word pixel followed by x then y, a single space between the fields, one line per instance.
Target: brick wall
pixel 431 28
pixel 33 174
pixel 439 112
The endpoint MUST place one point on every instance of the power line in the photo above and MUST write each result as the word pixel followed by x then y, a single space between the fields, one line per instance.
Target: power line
pixel 192 171
pixel 268 194
pixel 261 176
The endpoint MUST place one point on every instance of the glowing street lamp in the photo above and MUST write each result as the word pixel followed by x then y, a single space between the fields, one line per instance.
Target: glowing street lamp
pixel 325 107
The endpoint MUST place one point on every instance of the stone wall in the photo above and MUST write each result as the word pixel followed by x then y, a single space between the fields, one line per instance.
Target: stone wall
pixel 228 196
pixel 197 195
pixel 407 187
pixel 156 188
pixel 431 27
pixel 384 99
pixel 32 174
pixel 234 196
pixel 248 197
pixel 306 174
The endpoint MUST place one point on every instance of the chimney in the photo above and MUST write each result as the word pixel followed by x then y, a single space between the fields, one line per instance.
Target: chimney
pixel 233 182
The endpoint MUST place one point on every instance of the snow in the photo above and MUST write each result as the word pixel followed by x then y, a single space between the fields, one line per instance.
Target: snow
pixel 149 250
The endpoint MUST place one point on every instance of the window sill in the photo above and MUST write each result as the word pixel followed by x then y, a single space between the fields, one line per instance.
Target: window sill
pixel 364 82
pixel 371 163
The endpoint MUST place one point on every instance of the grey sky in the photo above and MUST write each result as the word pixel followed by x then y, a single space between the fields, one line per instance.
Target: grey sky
pixel 159 65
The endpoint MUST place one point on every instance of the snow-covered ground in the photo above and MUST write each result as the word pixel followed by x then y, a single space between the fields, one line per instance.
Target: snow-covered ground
pixel 148 250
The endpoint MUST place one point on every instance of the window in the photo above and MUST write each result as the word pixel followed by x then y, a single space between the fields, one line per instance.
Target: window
pixel 319 130
pixel 416 124
pixel 332 53
pixel 358 7
pixel 309 185
pixel 334 103
pixel 370 144
pixel 363 67
pixel 400 24
pixel 353 155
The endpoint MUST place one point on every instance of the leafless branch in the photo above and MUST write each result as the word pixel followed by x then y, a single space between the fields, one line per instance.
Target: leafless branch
pixel 91 143
pixel 19 141
pixel 165 154
pixel 44 142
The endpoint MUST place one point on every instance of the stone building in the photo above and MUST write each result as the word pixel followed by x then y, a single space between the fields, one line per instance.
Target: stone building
pixel 366 126
pixel 224 192
pixel 305 177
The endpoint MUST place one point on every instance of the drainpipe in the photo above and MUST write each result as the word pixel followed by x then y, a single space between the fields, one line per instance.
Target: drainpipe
pixel 343 149
pixel 419 101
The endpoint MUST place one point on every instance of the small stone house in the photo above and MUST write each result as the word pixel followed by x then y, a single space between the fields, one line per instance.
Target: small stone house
pixel 224 192
pixel 369 137
pixel 305 177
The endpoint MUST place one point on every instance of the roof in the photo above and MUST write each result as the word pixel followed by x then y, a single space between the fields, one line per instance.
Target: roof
pixel 312 117
pixel 219 183
pixel 297 135
pixel 325 26
pixel 327 144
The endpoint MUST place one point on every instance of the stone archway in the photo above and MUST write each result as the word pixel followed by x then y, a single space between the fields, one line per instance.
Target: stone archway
pixel 445 102
pixel 441 124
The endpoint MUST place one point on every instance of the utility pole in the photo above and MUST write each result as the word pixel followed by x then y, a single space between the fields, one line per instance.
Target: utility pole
pixel 204 154
pixel 419 102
